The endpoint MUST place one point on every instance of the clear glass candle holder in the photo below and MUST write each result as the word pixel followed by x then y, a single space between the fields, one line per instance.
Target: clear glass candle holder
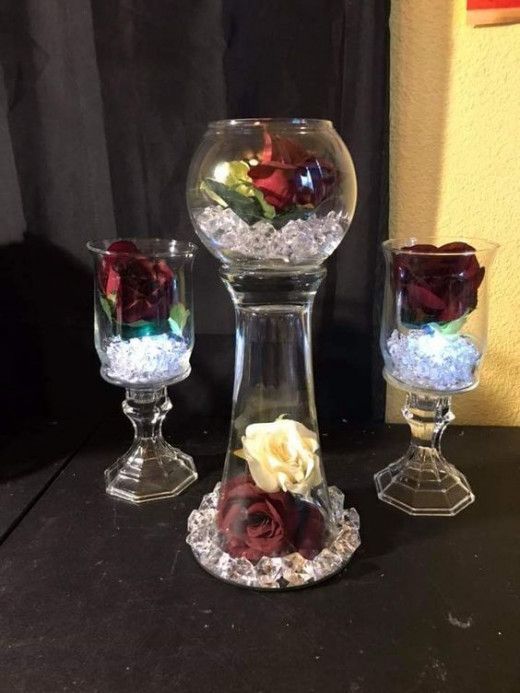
pixel 143 330
pixel 433 340
pixel 272 199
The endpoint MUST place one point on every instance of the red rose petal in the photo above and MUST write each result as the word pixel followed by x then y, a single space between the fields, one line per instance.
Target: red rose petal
pixel 311 536
pixel 281 150
pixel 456 247
pixel 275 185
pixel 421 295
pixel 255 524
pixel 112 282
pixel 122 247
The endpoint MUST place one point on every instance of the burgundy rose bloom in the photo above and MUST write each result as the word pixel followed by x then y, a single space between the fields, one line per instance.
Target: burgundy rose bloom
pixel 287 174
pixel 255 524
pixel 437 284
pixel 314 181
pixel 138 287
pixel 276 185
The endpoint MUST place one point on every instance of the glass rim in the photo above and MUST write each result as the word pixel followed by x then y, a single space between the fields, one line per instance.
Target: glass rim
pixel 166 247
pixel 480 245
pixel 261 122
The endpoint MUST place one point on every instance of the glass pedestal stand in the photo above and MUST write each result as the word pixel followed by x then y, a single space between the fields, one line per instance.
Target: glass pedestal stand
pixel 423 482
pixel 151 468
pixel 289 533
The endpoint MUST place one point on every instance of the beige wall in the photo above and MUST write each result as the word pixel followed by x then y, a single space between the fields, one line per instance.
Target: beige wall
pixel 455 168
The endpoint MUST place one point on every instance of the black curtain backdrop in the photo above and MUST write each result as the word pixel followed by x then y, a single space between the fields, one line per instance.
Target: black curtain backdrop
pixel 102 104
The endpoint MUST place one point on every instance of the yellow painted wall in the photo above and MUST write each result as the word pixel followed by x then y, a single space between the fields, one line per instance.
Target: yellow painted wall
pixel 455 168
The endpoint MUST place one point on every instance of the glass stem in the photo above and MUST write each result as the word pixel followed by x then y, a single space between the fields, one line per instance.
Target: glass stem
pixel 422 481
pixel 428 418
pixel 151 468
pixel 147 409
pixel 273 363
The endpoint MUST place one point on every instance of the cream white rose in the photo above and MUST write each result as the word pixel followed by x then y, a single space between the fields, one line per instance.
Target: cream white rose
pixel 281 455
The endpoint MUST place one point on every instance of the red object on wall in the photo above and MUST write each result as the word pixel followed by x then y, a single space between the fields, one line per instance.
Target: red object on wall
pixel 493 11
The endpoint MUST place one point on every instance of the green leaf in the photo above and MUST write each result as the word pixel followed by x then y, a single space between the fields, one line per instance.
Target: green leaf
pixel 235 174
pixel 142 328
pixel 251 209
pixel 449 329
pixel 106 305
pixel 207 190
pixel 294 213
pixel 247 208
pixel 179 315
pixel 268 210
pixel 137 323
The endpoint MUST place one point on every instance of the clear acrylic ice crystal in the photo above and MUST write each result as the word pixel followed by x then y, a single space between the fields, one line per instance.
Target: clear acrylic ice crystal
pixel 297 570
pixel 297 242
pixel 337 502
pixel 145 360
pixel 427 359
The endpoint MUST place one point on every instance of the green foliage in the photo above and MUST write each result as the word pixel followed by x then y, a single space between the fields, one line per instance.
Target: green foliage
pixel 247 208
pixel 452 328
pixel 179 315
pixel 106 305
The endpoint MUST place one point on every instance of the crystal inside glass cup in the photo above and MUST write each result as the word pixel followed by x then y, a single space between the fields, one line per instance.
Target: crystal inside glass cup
pixel 433 340
pixel 143 333
pixel 271 199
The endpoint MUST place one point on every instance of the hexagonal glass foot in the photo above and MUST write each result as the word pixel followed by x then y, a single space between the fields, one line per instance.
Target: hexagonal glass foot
pixel 151 469
pixel 423 482
pixel 419 491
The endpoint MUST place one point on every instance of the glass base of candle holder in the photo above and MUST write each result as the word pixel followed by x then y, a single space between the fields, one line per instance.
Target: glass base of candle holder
pixel 151 469
pixel 423 482
pixel 410 487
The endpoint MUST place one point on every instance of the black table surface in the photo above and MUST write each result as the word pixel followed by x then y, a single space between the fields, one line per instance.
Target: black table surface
pixel 100 595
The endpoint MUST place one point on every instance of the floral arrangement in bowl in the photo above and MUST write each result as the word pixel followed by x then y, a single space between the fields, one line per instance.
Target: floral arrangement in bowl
pixel 270 193
pixel 285 182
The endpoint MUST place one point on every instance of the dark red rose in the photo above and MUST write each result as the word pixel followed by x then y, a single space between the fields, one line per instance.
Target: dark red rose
pixel 255 524
pixel 139 288
pixel 282 152
pixel 288 174
pixel 314 181
pixel 437 284
pixel 276 185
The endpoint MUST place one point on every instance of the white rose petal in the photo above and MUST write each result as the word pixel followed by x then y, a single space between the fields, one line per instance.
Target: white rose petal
pixel 282 456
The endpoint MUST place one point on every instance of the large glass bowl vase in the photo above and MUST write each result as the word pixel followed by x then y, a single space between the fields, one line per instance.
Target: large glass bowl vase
pixel 272 199
pixel 433 340
pixel 143 330
pixel 271 193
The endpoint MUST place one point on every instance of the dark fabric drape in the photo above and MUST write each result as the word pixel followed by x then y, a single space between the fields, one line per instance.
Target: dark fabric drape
pixel 102 103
